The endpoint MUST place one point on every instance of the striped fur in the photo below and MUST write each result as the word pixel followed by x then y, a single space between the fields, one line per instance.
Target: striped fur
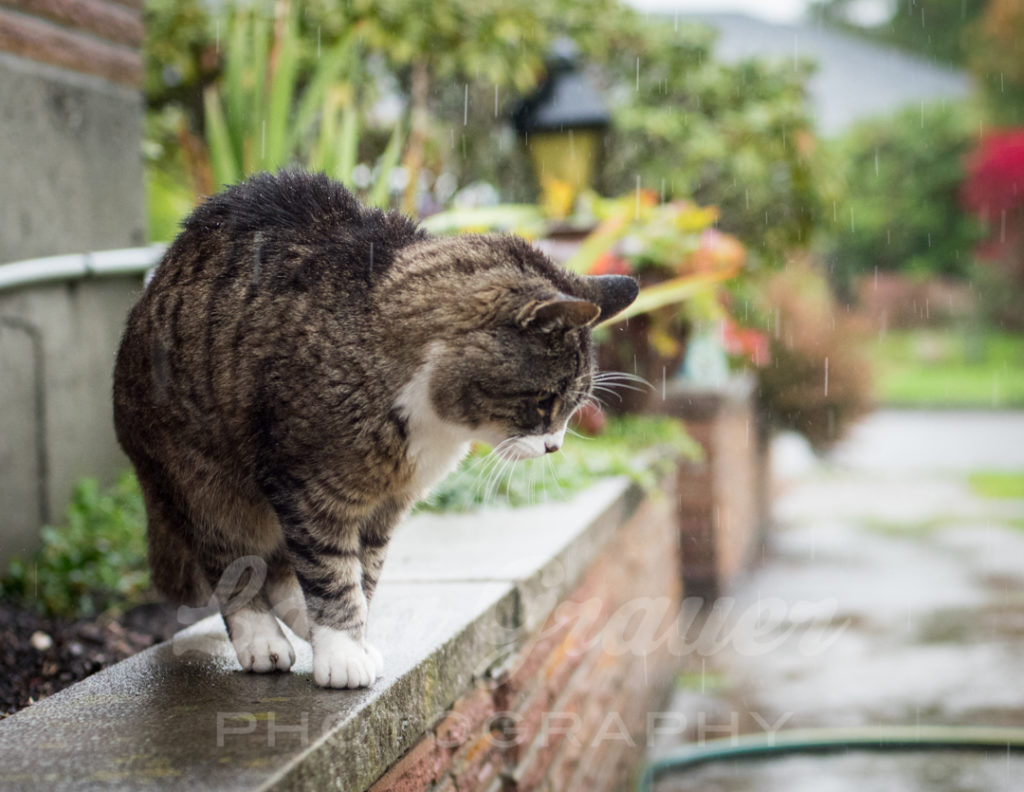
pixel 300 368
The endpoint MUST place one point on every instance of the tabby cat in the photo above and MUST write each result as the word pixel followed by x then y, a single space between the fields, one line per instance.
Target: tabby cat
pixel 301 369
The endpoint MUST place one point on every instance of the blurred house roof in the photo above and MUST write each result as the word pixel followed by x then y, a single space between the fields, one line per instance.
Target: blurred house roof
pixel 855 79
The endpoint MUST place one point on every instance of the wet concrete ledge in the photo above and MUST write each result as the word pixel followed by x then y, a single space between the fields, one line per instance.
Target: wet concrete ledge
pixel 459 594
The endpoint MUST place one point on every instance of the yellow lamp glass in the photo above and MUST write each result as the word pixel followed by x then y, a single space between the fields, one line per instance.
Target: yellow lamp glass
pixel 565 157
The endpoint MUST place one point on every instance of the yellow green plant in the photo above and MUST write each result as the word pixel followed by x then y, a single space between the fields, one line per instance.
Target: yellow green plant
pixel 266 112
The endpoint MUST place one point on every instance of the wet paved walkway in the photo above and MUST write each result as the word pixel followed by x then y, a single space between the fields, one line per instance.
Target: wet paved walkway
pixel 891 593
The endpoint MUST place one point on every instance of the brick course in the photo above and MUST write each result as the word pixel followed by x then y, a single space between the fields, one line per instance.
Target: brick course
pixel 568 710
pixel 724 501
pixel 100 38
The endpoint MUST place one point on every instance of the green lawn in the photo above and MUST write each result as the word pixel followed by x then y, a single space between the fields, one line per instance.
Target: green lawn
pixel 949 368
pixel 997 484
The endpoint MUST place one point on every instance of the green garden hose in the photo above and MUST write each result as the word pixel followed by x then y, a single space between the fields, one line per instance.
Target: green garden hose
pixel 801 741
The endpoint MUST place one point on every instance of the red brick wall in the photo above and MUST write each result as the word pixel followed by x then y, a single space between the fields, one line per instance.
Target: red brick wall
pixel 568 711
pixel 101 38
pixel 723 500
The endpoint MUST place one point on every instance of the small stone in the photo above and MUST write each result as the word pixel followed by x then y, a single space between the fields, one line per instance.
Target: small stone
pixel 76 649
pixel 40 641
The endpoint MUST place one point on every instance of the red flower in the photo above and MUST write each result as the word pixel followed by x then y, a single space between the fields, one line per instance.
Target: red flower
pixel 746 342
pixel 994 189
pixel 609 264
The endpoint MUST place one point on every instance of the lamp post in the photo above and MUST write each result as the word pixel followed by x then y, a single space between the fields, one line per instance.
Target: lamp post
pixel 562 124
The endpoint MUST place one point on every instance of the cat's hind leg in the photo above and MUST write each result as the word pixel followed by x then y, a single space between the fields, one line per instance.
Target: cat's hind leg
pixel 258 641
pixel 286 598
pixel 253 630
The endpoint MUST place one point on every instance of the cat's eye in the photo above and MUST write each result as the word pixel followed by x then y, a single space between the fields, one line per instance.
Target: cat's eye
pixel 546 404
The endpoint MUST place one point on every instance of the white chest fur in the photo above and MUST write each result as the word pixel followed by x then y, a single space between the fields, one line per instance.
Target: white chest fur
pixel 435 445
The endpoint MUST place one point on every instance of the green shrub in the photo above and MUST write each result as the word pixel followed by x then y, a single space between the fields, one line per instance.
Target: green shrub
pixel 899 207
pixel 95 562
pixel 735 136
pixel 935 29
pixel 623 449
pixel 818 378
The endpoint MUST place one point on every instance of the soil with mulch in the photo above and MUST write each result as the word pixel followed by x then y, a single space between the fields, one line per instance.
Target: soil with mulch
pixel 39 655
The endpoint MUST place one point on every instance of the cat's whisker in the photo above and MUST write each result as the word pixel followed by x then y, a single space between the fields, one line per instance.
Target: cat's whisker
pixel 620 376
pixel 504 480
pixel 574 433
pixel 502 472
pixel 609 391
pixel 494 478
pixel 588 397
pixel 551 469
pixel 485 467
pixel 617 386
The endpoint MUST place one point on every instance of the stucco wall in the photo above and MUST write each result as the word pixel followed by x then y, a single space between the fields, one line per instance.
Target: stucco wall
pixel 57 347
pixel 70 127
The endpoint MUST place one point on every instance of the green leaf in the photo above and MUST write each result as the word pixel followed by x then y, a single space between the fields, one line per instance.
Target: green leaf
pixel 282 91
pixel 339 60
pixel 226 169
pixel 389 159
pixel 345 159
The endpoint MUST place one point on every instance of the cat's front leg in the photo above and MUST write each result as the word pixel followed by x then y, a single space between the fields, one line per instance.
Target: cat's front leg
pixel 374 536
pixel 329 572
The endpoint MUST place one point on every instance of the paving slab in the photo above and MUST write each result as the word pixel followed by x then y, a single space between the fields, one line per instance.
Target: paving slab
pixel 890 594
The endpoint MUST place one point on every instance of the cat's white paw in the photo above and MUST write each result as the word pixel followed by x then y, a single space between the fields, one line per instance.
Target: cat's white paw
pixel 377 658
pixel 340 661
pixel 260 645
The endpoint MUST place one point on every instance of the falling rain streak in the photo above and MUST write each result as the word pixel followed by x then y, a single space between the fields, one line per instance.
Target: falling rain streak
pixel 826 376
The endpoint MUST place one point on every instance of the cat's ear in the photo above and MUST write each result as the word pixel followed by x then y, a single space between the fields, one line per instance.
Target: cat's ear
pixel 615 292
pixel 560 311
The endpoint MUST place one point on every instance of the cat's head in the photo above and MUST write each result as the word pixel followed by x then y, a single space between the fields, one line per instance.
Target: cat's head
pixel 522 362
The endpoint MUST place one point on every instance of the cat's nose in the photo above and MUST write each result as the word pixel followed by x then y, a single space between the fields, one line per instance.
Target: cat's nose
pixel 550 447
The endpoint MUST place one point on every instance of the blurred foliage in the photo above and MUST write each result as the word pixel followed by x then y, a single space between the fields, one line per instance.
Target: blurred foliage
pixel 95 562
pixel 993 192
pixel 997 60
pixel 817 380
pixel 447 62
pixel 180 54
pixel 997 484
pixel 735 136
pixel 268 109
pixel 899 205
pixel 643 448
pixel 966 366
pixel 680 262
pixel 936 29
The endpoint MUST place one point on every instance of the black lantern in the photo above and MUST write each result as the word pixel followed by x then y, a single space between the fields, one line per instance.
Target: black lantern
pixel 563 123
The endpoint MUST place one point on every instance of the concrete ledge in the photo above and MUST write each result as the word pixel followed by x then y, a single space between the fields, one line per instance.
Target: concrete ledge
pixel 460 594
